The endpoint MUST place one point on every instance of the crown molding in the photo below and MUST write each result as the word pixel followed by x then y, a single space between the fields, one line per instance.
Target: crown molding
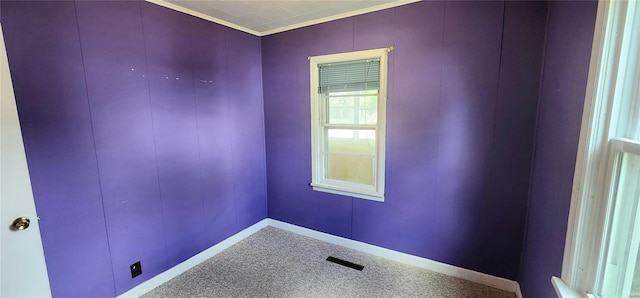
pixel 338 16
pixel 284 28
pixel 203 16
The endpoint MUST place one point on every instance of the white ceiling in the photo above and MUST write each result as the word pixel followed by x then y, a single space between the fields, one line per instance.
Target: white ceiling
pixel 267 17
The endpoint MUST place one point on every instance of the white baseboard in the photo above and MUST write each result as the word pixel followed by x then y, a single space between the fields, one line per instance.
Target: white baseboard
pixel 481 278
pixel 176 270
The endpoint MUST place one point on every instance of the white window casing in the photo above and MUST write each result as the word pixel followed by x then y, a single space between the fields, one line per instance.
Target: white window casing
pixel 609 127
pixel 319 129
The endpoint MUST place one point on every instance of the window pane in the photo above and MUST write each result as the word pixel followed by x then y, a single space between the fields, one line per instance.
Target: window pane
pixel 629 187
pixel 635 287
pixel 352 108
pixel 367 116
pixel 355 169
pixel 341 101
pixel 368 110
pixel 351 141
pixel 341 115
pixel 621 270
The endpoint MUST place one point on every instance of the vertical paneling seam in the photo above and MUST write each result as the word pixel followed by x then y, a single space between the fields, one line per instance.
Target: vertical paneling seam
pixel 535 141
pixel 390 91
pixel 198 147
pixel 489 190
pixel 495 107
pixel 93 138
pixel 264 134
pixel 352 215
pixel 232 136
pixel 153 128
pixel 439 130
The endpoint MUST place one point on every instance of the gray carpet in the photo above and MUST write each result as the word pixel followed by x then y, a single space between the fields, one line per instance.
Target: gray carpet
pixel 277 263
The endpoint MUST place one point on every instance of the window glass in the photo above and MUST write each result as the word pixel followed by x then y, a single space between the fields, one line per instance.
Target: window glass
pixel 628 188
pixel 352 107
pixel 352 141
pixel 350 168
pixel 621 270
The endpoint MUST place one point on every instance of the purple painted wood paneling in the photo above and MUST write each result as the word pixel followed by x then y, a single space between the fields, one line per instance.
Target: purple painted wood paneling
pixel 171 81
pixel 460 129
pixel 412 126
pixel 566 67
pixel 214 130
pixel 444 133
pixel 341 41
pixel 175 107
pixel 374 30
pixel 114 55
pixel 47 71
pixel 471 56
pixel 244 82
pixel 287 124
pixel 512 155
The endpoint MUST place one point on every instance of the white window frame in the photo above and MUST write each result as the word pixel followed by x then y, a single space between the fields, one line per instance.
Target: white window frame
pixel 613 74
pixel 319 182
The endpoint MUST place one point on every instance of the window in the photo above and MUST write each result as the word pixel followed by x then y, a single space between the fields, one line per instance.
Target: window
pixel 620 273
pixel 348 121
pixel 603 235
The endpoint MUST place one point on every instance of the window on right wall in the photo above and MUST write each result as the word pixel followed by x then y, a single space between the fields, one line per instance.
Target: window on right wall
pixel 602 252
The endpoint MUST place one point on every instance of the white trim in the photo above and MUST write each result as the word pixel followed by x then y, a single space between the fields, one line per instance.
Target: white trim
pixel 22 256
pixel 470 275
pixel 203 16
pixel 319 182
pixel 562 290
pixel 176 270
pixel 626 145
pixel 334 190
pixel 591 160
pixel 339 16
pixel 284 28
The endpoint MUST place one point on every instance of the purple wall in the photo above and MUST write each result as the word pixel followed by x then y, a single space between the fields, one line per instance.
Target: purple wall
pixel 139 121
pixel 144 134
pixel 50 88
pixel 461 118
pixel 566 67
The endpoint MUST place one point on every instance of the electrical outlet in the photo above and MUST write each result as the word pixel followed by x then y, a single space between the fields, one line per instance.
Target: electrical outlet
pixel 136 269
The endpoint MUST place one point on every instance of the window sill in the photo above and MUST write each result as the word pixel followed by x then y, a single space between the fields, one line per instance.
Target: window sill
pixel 345 192
pixel 564 291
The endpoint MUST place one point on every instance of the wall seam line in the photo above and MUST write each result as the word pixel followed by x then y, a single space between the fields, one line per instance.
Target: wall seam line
pixel 264 133
pixel 535 141
pixel 489 190
pixel 153 127
pixel 439 114
pixel 232 137
pixel 201 192
pixel 95 151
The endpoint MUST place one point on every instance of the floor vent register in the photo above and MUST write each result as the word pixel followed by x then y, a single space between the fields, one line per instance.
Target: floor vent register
pixel 345 263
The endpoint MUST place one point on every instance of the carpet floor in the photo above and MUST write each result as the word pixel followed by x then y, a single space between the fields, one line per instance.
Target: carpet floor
pixel 278 263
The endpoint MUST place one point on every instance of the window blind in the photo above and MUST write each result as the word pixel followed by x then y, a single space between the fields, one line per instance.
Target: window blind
pixel 357 75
